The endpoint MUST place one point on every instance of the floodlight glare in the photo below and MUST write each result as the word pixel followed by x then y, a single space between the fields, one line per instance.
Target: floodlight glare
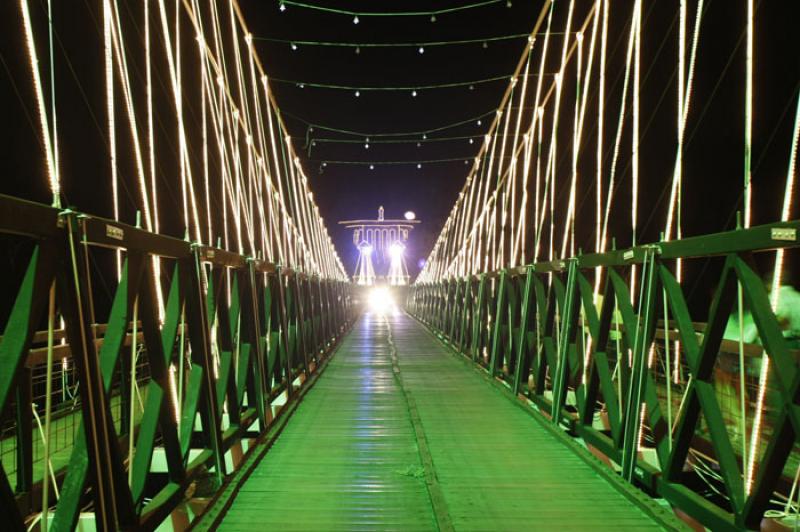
pixel 396 250
pixel 380 300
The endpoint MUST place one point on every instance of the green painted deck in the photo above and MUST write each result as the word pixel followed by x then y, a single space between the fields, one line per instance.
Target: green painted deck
pixel 432 446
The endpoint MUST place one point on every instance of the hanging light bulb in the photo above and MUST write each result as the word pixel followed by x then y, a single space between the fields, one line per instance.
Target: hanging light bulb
pixel 414 93
pixel 485 45
pixel 294 46
pixel 418 144
pixel 421 50
pixel 472 87
pixel 433 18
pixel 372 167
pixel 508 3
pixel 282 6
pixel 355 20
pixel 419 165
pixel 358 49
pixel 366 146
pixel 358 93
pixel 424 136
pixel 302 85
pixel 324 164
pixel 479 122
pixel 471 141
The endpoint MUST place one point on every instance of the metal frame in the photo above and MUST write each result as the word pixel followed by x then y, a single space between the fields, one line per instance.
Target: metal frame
pixel 274 326
pixel 536 335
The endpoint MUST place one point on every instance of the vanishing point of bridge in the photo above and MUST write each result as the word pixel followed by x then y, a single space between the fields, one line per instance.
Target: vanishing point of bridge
pixel 182 347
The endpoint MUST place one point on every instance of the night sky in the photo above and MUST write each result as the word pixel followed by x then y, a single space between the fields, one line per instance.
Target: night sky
pixel 714 148
pixel 346 191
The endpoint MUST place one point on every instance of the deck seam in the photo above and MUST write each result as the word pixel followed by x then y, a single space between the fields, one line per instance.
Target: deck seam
pixel 438 502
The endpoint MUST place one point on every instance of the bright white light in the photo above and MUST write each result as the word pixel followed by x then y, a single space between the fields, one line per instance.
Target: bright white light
pixel 396 250
pixel 409 215
pixel 380 301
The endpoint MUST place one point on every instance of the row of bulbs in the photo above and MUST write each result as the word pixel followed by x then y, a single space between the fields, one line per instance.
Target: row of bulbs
pixel 356 20
pixel 421 49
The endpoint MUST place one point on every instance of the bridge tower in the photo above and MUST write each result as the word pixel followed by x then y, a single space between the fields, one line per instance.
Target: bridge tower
pixel 381 244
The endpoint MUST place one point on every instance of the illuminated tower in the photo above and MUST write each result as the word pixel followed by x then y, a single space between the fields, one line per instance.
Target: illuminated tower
pixel 382 245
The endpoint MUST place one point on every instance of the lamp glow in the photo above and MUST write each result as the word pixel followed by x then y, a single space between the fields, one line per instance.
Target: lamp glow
pixel 380 300
pixel 409 215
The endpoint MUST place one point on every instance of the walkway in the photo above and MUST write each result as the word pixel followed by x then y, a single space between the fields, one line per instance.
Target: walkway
pixel 430 446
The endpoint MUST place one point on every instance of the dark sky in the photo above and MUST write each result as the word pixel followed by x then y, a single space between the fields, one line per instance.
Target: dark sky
pixel 347 192
pixel 714 147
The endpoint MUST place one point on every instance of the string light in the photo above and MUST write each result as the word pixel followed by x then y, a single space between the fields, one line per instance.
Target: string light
pixel 431 13
pixel 355 20
pixel 449 85
pixel 293 46
pixel 421 49
pixel 410 44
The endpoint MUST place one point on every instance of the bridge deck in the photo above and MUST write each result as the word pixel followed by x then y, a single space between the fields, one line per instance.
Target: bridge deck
pixel 431 445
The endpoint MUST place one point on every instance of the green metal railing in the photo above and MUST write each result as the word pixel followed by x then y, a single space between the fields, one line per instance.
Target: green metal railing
pixel 624 367
pixel 235 340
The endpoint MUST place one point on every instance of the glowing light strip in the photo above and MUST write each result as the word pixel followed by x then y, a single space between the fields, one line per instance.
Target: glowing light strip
pixel 775 300
pixel 47 139
pixel 748 117
pixel 620 124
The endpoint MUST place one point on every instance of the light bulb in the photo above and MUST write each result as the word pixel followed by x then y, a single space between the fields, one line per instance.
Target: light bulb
pixel 282 7
pixel 485 45
pixel 294 46
pixel 433 18
pixel 366 146
pixel 414 93
pixel 421 50
pixel 508 4
pixel 355 20
pixel 358 93
pixel 424 136
pixel 419 166
pixel 358 49
pixel 418 144
pixel 471 141
pixel 372 167
pixel 472 87
pixel 479 122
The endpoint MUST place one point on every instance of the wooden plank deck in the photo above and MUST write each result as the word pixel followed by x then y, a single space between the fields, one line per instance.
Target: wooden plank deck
pixel 433 446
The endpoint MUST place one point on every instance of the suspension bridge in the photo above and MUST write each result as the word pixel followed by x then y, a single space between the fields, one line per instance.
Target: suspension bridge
pixel 592 343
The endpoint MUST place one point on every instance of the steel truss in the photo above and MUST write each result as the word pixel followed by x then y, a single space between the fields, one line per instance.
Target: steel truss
pixel 536 329
pixel 254 331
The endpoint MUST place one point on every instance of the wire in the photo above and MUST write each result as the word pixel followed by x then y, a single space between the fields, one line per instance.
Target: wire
pixel 315 85
pixel 311 126
pixel 394 163
pixel 284 3
pixel 392 44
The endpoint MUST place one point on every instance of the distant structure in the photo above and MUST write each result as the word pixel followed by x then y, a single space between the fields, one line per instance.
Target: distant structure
pixel 381 244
